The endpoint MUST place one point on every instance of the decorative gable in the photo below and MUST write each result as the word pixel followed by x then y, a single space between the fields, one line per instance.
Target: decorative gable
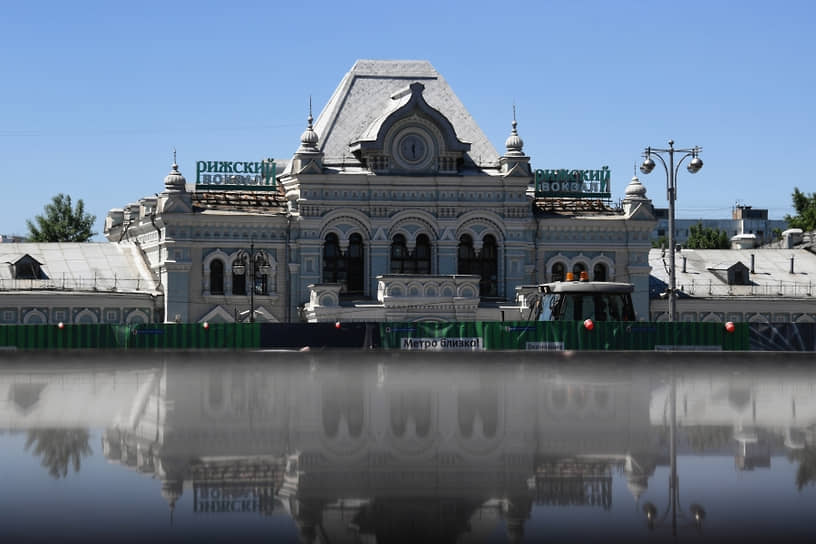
pixel 411 137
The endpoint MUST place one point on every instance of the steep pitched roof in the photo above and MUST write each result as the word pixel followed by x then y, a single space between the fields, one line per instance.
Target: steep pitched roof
pixel 365 94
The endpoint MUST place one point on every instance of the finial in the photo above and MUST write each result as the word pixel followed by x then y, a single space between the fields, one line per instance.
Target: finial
pixel 310 118
pixel 514 116
pixel 174 157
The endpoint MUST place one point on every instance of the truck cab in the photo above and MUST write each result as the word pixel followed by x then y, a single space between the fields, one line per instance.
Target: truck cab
pixel 572 300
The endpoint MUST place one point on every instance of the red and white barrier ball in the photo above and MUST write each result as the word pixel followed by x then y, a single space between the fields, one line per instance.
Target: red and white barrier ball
pixel 60 325
pixel 206 325
pixel 730 327
pixel 336 324
pixel 588 324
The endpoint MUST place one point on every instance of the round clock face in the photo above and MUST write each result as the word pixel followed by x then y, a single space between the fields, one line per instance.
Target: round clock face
pixel 412 148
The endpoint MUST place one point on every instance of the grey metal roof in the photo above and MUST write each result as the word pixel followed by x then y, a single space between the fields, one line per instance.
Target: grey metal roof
pixel 79 266
pixel 771 275
pixel 365 94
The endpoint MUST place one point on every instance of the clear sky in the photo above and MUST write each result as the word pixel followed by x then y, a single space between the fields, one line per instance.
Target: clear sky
pixel 95 95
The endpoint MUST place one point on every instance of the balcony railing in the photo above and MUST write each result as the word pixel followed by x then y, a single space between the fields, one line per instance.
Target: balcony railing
pixel 96 283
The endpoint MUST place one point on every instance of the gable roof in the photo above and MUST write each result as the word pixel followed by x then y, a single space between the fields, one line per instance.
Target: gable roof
pixel 365 94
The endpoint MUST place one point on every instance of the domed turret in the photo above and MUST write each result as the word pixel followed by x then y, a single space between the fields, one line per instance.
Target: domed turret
pixel 514 143
pixel 635 189
pixel 174 182
pixel 309 138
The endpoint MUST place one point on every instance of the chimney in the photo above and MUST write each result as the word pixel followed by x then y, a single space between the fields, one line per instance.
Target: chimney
pixel 753 263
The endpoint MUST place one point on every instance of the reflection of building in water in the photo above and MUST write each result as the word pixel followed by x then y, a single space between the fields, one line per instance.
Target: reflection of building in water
pixel 386 450
pixel 754 415
pixel 389 445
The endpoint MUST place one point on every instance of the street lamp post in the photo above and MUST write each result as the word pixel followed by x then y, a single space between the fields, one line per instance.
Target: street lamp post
pixel 696 511
pixel 256 265
pixel 671 194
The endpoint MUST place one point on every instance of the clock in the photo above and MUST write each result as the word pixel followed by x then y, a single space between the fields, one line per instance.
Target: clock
pixel 412 148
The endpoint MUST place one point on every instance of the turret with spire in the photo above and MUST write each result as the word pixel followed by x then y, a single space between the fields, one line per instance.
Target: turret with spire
pixel 175 197
pixel 635 199
pixel 308 159
pixel 514 162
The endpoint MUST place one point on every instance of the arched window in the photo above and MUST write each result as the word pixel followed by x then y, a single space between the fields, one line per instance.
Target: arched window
pixel 239 282
pixel 400 262
pixel 485 264
pixel 577 268
pixel 489 268
pixel 217 277
pixel 403 262
pixel 557 272
pixel 334 270
pixel 422 255
pixel 356 265
pixel 261 269
pixel 466 256
pixel 599 272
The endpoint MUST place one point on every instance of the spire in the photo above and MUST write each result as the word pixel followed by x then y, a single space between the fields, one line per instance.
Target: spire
pixel 514 143
pixel 174 182
pixel 309 138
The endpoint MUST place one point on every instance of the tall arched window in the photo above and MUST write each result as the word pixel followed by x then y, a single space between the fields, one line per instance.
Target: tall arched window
pixel 599 272
pixel 485 264
pixel 489 268
pixel 239 283
pixel 403 262
pixel 334 270
pixel 400 262
pixel 557 272
pixel 422 255
pixel 466 256
pixel 217 277
pixel 356 265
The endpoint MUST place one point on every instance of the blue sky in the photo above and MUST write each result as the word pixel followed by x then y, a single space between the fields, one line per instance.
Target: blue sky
pixel 95 95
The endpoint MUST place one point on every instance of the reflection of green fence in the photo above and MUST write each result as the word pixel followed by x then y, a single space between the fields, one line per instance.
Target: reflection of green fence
pixel 555 335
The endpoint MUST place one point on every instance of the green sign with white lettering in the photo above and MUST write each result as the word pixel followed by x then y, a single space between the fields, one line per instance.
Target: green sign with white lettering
pixel 565 183
pixel 236 175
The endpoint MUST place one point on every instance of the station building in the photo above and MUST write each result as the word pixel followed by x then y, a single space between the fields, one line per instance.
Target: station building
pixel 394 206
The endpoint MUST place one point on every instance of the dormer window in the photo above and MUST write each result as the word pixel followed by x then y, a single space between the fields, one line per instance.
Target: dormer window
pixel 28 268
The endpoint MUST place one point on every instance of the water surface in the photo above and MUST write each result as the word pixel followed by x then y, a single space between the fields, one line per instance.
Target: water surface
pixel 403 447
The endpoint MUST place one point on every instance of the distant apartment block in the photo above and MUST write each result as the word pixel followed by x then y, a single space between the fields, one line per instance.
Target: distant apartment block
pixel 745 221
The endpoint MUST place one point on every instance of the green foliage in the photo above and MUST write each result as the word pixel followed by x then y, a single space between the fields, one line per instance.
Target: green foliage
pixel 701 237
pixel 660 242
pixel 61 222
pixel 59 449
pixel 805 206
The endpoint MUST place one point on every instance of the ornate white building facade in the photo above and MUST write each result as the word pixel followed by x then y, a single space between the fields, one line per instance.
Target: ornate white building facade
pixel 395 206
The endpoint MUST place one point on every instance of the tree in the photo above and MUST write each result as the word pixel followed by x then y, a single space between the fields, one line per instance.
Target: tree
pixel 59 449
pixel 805 206
pixel 701 237
pixel 62 223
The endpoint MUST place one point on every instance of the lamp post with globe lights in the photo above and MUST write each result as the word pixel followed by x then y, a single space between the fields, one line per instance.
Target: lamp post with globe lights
pixel 256 265
pixel 671 169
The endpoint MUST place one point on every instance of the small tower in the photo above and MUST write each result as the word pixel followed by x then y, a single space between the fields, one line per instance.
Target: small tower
pixel 308 159
pixel 514 162
pixel 635 199
pixel 175 196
